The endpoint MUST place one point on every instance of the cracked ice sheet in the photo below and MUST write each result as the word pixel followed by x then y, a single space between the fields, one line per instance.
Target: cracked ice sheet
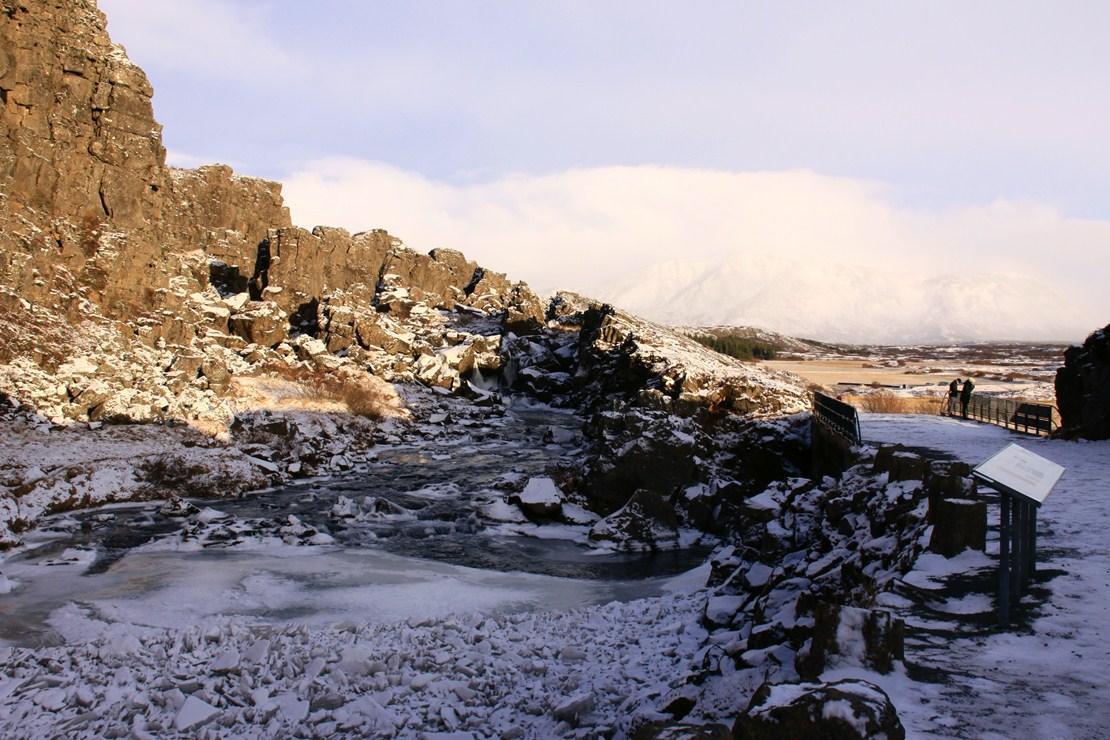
pixel 1046 676
pixel 286 584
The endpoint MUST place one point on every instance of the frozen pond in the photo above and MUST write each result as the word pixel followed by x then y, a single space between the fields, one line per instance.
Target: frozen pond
pixel 406 535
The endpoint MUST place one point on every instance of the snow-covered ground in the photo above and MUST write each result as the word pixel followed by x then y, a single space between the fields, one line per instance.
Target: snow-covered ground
pixel 1046 676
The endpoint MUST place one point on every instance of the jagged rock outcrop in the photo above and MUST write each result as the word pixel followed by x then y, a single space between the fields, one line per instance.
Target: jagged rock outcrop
pixel 1083 388
pixel 95 228
pixel 594 354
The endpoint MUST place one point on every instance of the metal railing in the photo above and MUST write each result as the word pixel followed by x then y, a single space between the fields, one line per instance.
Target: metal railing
pixel 839 417
pixel 1021 416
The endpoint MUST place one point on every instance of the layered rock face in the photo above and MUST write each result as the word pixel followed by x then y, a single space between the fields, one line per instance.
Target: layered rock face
pixel 1083 388
pixel 103 248
pixel 86 202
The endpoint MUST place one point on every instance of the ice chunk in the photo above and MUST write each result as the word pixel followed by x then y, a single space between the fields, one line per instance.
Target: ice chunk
pixel 500 511
pixel 208 514
pixel 194 713
pixel 573 709
pixel 292 708
pixel 119 645
pixel 355 660
pixel 575 514
pixel 227 662
pixel 257 651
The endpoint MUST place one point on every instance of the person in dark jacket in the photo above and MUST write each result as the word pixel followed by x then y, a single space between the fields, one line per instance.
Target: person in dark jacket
pixel 965 396
pixel 953 395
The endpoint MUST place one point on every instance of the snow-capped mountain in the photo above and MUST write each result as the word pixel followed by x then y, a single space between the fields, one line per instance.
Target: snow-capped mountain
pixel 849 302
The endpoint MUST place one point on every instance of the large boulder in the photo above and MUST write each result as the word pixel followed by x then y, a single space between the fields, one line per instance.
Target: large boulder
pixel 540 499
pixel 1083 388
pixel 439 277
pixel 308 265
pixel 524 313
pixel 262 323
pixel 844 710
pixel 623 356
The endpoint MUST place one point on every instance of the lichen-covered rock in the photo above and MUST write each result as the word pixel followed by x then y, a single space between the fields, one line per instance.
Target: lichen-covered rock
pixel 844 710
pixel 1083 388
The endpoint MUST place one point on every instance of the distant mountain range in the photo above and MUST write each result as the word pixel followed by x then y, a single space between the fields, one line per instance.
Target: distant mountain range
pixel 848 303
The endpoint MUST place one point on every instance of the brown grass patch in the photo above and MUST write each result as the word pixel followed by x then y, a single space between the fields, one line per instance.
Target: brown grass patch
pixel 888 402
pixel 307 388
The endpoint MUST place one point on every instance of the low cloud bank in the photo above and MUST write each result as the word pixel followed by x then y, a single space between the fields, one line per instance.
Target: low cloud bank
pixel 795 251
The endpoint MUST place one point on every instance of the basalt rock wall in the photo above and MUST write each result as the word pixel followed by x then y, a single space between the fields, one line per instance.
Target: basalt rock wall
pixel 1083 388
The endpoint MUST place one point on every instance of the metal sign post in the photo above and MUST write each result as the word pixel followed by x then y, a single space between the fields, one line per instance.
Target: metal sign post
pixel 1023 480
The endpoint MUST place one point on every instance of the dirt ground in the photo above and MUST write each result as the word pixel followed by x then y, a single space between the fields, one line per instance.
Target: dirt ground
pixel 832 372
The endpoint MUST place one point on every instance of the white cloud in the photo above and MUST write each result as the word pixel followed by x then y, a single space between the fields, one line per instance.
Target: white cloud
pixel 206 37
pixel 686 244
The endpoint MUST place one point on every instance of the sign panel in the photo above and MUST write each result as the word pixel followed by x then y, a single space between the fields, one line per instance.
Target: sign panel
pixel 1021 471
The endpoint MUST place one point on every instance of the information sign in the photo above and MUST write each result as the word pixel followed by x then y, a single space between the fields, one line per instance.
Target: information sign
pixel 1022 472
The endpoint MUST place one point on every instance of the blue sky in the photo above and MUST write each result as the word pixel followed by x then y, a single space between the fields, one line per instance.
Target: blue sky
pixel 946 114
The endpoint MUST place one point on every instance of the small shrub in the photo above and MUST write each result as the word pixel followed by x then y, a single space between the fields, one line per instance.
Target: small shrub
pixel 366 400
pixel 888 402
pixel 173 473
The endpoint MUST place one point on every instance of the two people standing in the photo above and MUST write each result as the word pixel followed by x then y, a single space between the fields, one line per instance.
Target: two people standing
pixel 963 394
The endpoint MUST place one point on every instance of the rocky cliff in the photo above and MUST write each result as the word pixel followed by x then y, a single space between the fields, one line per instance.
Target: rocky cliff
pixel 98 236
pixel 1083 388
